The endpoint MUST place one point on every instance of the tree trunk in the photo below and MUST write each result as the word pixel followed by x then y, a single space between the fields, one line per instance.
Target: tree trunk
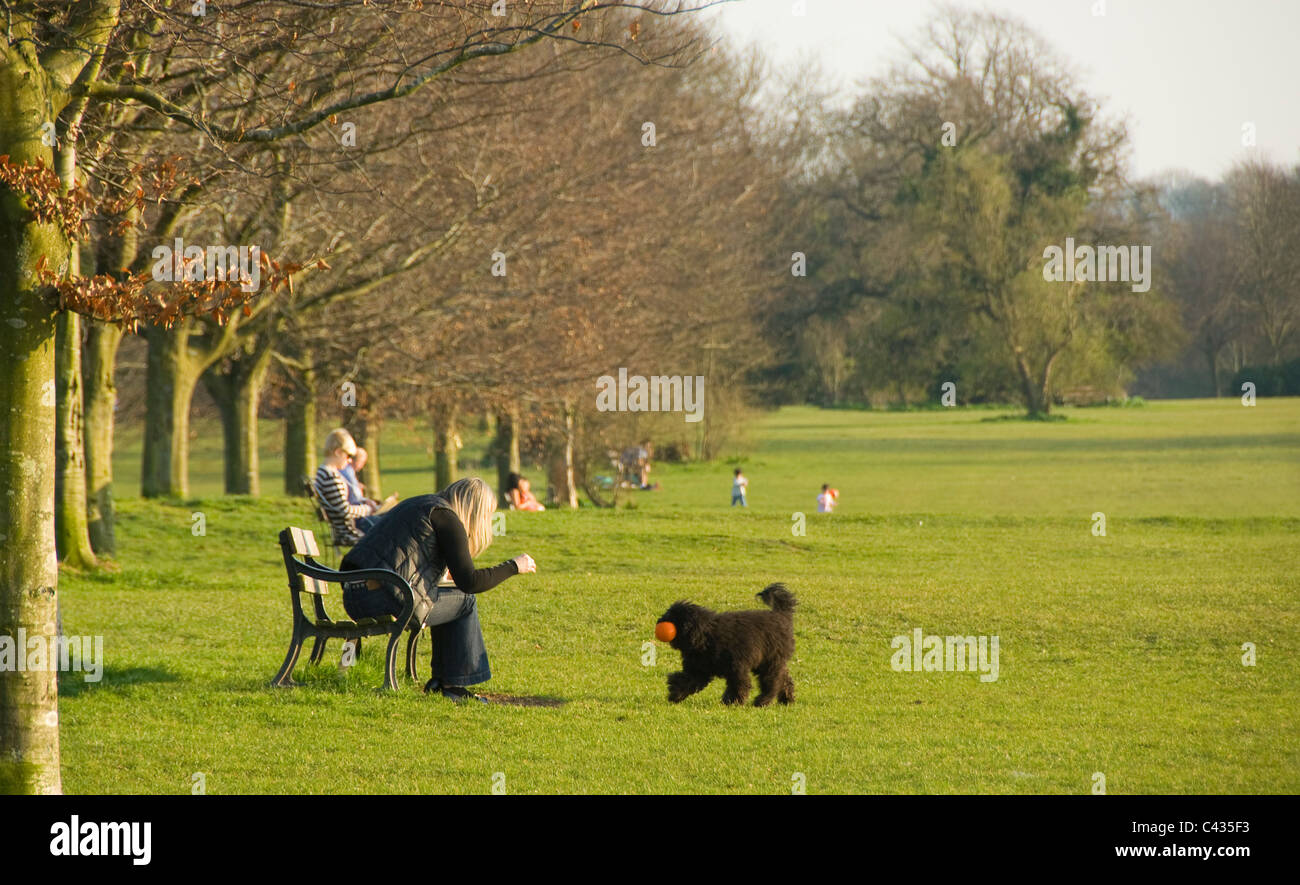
pixel 169 387
pixel 237 388
pixel 248 396
pixel 1212 360
pixel 99 367
pixel 300 433
pixel 506 446
pixel 29 717
pixel 444 446
pixel 101 398
pixel 72 537
pixel 29 708
pixel 562 489
pixel 1034 392
pixel 219 386
pixel 1045 379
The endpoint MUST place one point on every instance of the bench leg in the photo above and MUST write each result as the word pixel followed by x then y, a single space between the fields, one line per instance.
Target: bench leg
pixel 318 650
pixel 285 676
pixel 412 652
pixel 390 663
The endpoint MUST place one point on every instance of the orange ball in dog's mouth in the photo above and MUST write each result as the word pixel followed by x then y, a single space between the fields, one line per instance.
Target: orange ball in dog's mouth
pixel 665 631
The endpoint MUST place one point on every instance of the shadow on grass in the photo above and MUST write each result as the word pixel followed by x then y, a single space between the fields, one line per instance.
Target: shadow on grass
pixel 74 684
pixel 324 684
pixel 1023 417
pixel 516 700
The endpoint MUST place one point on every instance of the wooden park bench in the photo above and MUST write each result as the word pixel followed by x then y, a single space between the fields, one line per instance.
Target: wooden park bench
pixel 306 576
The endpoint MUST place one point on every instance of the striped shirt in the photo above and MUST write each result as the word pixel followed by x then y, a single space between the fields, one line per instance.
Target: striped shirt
pixel 333 491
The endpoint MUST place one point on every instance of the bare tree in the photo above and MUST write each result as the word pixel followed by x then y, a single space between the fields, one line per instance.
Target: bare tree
pixel 1265 201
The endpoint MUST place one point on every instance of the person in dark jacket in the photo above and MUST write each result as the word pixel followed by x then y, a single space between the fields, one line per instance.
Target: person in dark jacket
pixel 420 539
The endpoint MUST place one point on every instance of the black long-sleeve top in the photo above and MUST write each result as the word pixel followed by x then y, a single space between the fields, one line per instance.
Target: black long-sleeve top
pixel 454 543
pixel 418 539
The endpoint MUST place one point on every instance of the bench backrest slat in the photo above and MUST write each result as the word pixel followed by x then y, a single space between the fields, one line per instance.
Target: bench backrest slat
pixel 304 542
pixel 314 585
pixel 295 542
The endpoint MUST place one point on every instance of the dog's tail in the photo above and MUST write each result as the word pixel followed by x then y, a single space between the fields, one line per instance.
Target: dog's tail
pixel 778 598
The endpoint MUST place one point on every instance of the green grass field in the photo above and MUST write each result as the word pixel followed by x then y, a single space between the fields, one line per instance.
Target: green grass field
pixel 1119 654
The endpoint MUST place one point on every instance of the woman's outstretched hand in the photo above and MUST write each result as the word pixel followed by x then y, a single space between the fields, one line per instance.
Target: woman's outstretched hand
pixel 525 564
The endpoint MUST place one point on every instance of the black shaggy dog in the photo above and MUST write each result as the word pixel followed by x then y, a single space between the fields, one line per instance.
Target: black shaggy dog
pixel 731 645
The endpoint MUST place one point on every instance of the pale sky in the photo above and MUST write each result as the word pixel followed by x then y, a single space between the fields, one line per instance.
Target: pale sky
pixel 1187 74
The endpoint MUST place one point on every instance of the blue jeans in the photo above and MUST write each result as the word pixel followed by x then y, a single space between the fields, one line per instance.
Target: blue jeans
pixel 459 655
pixel 738 499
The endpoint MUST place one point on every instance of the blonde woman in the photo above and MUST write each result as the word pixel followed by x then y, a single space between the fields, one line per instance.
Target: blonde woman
pixel 419 539
pixel 350 521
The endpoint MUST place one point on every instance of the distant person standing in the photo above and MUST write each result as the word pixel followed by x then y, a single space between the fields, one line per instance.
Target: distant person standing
pixel 827 500
pixel 738 487
pixel 635 463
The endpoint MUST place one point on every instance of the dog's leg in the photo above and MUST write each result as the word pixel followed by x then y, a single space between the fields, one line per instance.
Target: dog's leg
pixel 738 684
pixel 682 685
pixel 786 695
pixel 769 680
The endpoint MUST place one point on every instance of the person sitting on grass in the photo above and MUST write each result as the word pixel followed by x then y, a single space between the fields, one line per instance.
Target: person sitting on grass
pixel 349 521
pixel 420 539
pixel 518 492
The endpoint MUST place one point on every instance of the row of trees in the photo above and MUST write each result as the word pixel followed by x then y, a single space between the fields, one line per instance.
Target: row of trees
pixel 636 257
pixel 1235 276
pixel 490 271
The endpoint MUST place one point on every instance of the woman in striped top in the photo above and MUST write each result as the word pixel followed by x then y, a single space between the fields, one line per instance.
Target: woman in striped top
pixel 349 521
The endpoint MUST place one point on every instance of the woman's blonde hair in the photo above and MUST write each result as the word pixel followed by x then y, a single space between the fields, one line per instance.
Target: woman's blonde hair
pixel 473 502
pixel 338 438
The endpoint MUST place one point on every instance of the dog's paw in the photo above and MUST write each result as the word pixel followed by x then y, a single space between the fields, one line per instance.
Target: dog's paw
pixel 677 691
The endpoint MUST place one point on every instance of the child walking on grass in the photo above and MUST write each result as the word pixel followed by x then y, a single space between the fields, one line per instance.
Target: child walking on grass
pixel 738 487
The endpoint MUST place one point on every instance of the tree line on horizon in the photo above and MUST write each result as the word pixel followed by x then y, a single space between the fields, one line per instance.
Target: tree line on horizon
pixel 933 200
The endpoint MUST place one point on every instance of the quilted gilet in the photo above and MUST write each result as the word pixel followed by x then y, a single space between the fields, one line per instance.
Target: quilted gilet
pixel 403 540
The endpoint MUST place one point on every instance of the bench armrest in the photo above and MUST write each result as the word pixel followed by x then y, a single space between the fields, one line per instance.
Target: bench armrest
pixel 313 569
pixel 310 568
